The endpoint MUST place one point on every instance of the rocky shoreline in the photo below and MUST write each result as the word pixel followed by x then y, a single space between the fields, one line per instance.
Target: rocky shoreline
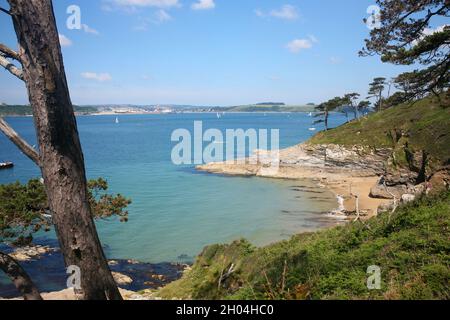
pixel 362 178
pixel 45 264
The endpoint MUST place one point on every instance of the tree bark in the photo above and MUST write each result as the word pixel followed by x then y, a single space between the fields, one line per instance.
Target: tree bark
pixel 19 277
pixel 11 67
pixel 19 142
pixel 61 157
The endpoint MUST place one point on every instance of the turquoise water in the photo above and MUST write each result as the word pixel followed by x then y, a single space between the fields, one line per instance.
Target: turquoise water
pixel 176 211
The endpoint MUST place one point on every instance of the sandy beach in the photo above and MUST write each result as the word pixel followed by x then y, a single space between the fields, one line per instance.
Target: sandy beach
pixel 347 183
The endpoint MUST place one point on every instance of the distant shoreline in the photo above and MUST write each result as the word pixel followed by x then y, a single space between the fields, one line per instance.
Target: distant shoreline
pixel 150 113
pixel 25 110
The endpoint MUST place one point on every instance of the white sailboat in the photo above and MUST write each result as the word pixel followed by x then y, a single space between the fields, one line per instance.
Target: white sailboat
pixel 218 115
pixel 117 120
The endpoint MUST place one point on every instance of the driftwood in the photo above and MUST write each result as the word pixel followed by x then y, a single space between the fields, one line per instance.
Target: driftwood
pixel 224 276
pixel 19 141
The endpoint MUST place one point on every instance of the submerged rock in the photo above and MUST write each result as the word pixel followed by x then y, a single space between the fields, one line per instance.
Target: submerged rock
pixel 121 279
pixel 48 271
pixel 31 252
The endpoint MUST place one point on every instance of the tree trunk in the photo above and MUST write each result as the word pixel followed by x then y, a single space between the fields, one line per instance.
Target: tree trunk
pixel 61 157
pixel 380 101
pixel 326 120
pixel 19 277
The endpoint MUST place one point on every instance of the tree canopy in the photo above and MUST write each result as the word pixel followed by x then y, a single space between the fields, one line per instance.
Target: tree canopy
pixel 325 108
pixel 406 37
pixel 24 208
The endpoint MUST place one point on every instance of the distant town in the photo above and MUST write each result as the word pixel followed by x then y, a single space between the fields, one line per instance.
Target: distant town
pixel 24 110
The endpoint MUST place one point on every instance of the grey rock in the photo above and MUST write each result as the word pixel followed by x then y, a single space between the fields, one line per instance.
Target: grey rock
pixel 406 198
pixel 381 192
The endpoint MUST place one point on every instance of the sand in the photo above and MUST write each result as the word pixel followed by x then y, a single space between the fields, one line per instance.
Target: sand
pixel 343 183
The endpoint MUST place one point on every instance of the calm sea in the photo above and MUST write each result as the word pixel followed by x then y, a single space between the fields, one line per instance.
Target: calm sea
pixel 176 211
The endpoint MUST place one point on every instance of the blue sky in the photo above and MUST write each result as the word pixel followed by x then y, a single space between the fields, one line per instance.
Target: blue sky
pixel 210 52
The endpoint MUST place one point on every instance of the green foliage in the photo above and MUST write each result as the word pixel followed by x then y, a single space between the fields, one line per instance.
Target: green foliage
pixel 331 104
pixel 376 89
pixel 394 100
pixel 24 208
pixel 410 246
pixel 323 110
pixel 406 37
pixel 270 108
pixel 105 205
pixel 423 125
pixel 20 110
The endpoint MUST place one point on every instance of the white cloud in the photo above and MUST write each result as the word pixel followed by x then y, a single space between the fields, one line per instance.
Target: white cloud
pixel 287 12
pixel 428 32
pixel 162 16
pixel 147 3
pixel 158 17
pixel 101 77
pixel 203 5
pixel 297 45
pixel 64 41
pixel 90 30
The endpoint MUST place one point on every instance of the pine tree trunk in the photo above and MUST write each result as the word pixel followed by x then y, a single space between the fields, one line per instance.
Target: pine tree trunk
pixel 61 157
pixel 19 277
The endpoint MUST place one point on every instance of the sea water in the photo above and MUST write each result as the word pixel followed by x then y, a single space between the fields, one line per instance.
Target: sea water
pixel 176 211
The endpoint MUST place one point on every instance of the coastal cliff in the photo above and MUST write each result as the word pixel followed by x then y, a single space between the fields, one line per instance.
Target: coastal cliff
pixel 307 160
pixel 381 160
pixel 396 164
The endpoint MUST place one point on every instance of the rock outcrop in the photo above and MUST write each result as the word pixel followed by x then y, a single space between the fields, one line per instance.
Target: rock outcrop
pixel 31 252
pixel 330 164
pixel 330 159
pixel 361 161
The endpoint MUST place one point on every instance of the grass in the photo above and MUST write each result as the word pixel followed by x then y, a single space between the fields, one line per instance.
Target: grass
pixel 422 126
pixel 411 247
